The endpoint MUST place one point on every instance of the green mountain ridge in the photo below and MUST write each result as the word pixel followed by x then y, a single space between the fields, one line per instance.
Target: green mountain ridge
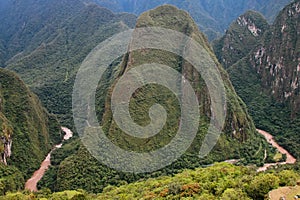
pixel 49 60
pixel 27 130
pixel 27 24
pixel 50 69
pixel 242 36
pixel 47 57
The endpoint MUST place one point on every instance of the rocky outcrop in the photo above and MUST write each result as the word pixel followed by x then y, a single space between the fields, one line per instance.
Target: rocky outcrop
pixel 6 153
pixel 277 59
pixel 272 53
pixel 5 137
pixel 242 36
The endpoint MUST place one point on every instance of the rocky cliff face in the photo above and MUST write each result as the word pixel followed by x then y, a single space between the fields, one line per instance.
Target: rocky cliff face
pixel 5 137
pixel 267 76
pixel 271 51
pixel 242 36
pixel 7 143
pixel 277 59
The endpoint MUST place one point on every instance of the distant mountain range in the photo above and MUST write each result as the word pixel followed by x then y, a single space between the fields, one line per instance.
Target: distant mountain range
pixel 212 16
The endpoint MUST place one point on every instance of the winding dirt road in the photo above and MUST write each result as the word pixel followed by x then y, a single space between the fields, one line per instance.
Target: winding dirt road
pixel 31 183
pixel 270 139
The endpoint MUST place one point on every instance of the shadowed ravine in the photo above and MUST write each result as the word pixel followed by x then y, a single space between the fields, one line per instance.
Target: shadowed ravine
pixel 31 183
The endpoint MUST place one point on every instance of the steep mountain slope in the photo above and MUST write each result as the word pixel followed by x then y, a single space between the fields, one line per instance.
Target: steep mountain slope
pixel 277 60
pixel 267 78
pixel 51 67
pixel 238 124
pixel 27 131
pixel 241 37
pixel 239 138
pixel 11 179
pixel 212 17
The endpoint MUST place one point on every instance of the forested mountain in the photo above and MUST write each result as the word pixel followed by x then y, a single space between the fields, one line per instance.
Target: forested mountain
pixel 47 48
pixel 25 25
pixel 241 37
pixel 239 138
pixel 238 124
pixel 27 131
pixel 265 71
pixel 46 41
pixel 212 17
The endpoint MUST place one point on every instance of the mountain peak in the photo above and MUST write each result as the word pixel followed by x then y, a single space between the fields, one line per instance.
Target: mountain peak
pixel 167 16
pixel 170 17
pixel 238 123
pixel 254 21
pixel 241 37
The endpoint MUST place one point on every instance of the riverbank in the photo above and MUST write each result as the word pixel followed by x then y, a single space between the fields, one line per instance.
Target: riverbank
pixel 270 139
pixel 31 183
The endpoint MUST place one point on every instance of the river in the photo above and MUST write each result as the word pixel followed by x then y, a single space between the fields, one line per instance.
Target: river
pixel 270 139
pixel 31 183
